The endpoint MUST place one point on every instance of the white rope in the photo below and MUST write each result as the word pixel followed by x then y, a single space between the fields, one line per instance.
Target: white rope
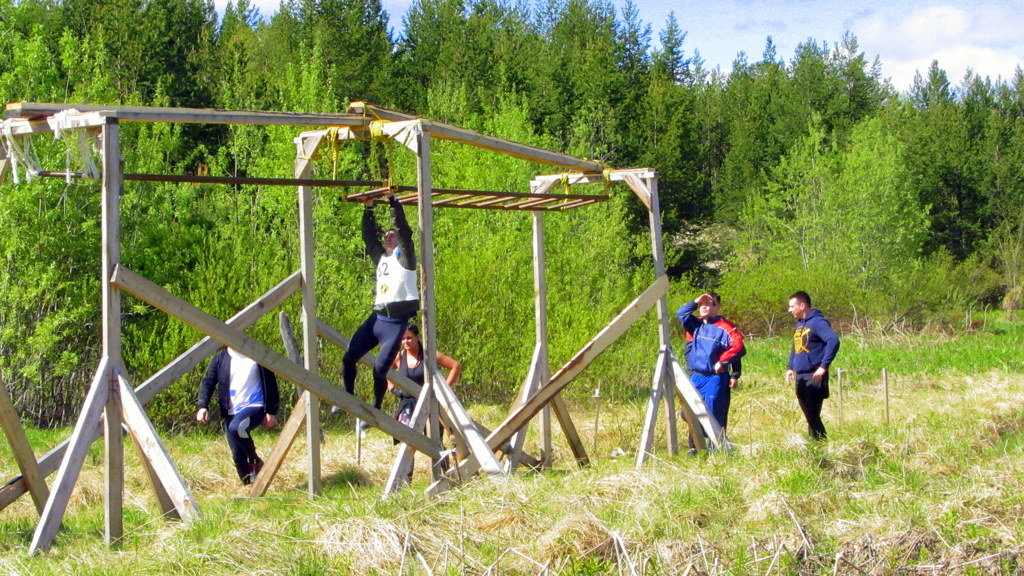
pixel 63 127
pixel 20 151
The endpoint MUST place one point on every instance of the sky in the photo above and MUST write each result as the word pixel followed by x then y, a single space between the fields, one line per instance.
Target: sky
pixel 905 35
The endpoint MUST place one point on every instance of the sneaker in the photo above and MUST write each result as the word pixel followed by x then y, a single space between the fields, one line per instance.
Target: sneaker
pixel 363 426
pixel 251 476
pixel 335 410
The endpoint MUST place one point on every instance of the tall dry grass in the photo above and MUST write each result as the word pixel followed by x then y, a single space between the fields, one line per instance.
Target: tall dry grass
pixel 936 491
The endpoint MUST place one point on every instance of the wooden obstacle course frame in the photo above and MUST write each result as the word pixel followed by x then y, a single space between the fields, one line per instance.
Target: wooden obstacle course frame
pixel 111 399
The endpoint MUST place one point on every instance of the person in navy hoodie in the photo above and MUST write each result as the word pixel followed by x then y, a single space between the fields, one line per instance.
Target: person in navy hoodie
pixel 248 397
pixel 713 350
pixel 815 345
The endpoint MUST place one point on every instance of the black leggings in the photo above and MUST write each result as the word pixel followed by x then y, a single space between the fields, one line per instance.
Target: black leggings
pixel 811 396
pixel 375 330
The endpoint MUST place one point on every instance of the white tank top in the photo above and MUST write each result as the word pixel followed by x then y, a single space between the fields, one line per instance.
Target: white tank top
pixel 394 283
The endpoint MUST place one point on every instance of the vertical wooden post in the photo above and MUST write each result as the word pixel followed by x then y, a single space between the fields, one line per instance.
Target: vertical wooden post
pixel 664 315
pixel 885 390
pixel 426 262
pixel 662 384
pixel 540 314
pixel 306 149
pixel 113 184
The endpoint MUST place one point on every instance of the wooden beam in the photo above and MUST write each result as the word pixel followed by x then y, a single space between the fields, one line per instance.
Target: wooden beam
pixel 186 312
pixel 229 180
pixel 154 452
pixel 540 319
pixel 697 408
pixel 291 428
pixel 529 388
pixel 163 498
pixel 563 377
pixel 21 127
pixel 23 455
pixel 74 457
pixel 593 177
pixel 285 440
pixel 110 256
pixel 646 188
pixel 189 115
pixel 401 468
pixel 478 140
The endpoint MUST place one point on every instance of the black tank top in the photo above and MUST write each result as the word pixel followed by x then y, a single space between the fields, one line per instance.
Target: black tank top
pixel 415 373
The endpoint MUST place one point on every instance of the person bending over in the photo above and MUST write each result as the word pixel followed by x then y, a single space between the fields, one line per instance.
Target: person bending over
pixel 248 396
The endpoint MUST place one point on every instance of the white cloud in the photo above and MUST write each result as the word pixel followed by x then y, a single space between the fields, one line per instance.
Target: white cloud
pixel 985 39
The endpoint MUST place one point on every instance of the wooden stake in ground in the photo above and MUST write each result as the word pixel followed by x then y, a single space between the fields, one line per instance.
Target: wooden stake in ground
pixel 885 390
pixel 839 385
pixel 597 414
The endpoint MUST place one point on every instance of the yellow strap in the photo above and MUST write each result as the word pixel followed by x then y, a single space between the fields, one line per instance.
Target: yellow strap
pixel 332 138
pixel 377 129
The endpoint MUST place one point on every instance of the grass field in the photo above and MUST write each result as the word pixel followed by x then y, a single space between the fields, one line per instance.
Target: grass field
pixel 937 490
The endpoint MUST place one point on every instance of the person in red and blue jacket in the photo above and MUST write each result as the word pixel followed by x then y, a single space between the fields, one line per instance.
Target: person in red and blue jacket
pixel 714 347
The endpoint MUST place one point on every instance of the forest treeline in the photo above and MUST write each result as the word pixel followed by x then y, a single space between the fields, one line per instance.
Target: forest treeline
pixel 895 210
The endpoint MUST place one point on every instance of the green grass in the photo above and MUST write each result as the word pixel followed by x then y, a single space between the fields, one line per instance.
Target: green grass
pixel 937 490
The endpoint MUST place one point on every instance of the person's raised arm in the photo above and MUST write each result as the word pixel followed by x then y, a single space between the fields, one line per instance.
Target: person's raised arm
pixel 686 317
pixel 406 248
pixel 371 237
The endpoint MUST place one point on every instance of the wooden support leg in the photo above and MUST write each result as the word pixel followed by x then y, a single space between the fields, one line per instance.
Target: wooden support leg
pixel 23 454
pixel 569 429
pixel 671 428
pixel 572 369
pixel 291 428
pixel 74 457
pixel 155 453
pixel 695 406
pixel 401 469
pixel 156 383
pixel 163 499
pixel 653 405
pixel 479 450
pixel 289 432
pixel 529 388
pixel 113 449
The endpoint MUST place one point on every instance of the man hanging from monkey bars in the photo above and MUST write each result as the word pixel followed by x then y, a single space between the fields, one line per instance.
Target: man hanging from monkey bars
pixel 397 299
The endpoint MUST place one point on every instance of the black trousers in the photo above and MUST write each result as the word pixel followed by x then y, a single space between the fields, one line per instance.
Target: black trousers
pixel 811 395
pixel 243 450
pixel 374 331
